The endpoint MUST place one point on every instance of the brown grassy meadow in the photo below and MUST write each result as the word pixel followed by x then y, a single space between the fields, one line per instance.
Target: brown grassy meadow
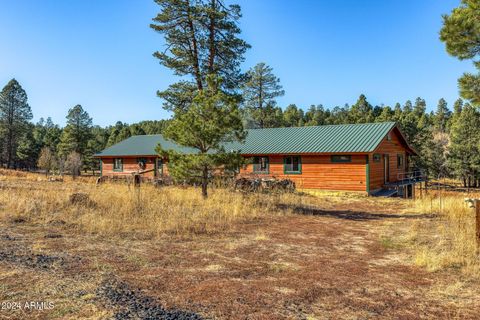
pixel 122 252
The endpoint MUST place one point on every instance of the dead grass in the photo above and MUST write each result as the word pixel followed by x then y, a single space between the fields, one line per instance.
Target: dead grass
pixel 310 255
pixel 116 209
pixel 448 241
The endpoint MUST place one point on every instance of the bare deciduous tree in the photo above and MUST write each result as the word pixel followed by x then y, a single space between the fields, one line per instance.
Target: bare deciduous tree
pixel 47 160
pixel 73 163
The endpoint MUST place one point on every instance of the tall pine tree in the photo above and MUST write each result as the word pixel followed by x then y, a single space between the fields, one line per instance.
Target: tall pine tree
pixel 212 119
pixel 461 34
pixel 202 38
pixel 77 132
pixel 259 93
pixel 15 114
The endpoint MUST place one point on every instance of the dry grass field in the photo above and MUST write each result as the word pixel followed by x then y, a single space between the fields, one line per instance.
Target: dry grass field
pixel 112 251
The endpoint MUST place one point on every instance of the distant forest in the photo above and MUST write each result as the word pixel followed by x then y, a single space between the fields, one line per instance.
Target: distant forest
pixel 447 140
pixel 214 100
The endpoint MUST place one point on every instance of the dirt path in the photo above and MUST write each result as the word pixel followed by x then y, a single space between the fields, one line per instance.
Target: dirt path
pixel 326 263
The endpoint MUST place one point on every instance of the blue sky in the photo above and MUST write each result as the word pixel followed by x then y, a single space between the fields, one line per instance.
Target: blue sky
pixel 99 53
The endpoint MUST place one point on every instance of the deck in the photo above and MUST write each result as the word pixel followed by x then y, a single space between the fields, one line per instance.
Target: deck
pixel 403 187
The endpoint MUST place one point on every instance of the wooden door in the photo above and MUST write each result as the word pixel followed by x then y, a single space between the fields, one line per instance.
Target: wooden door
pixel 386 168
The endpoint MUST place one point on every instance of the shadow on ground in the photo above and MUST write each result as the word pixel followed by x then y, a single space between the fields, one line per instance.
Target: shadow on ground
pixel 350 214
pixel 131 303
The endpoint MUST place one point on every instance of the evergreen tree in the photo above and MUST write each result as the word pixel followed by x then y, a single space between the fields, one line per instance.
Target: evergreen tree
pixel 15 114
pixel 457 110
pixel 361 111
pixel 464 154
pixel 202 38
pixel 397 112
pixel 52 136
pixel 153 126
pixel 432 155
pixel 259 92
pixel 315 116
pixel 442 116
pixel 407 108
pixel 458 106
pixel 292 116
pixel 386 115
pixel 339 115
pixel 212 119
pixel 97 143
pixel 419 108
pixel 76 133
pixel 461 34
pixel 27 150
pixel 115 132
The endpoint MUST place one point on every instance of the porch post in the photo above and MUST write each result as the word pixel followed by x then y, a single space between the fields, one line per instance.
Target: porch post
pixel 367 172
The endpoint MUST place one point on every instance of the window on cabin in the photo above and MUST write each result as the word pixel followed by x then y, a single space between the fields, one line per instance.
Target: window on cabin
pixel 292 164
pixel 400 161
pixel 260 164
pixel 341 158
pixel 142 163
pixel 117 164
pixel 377 157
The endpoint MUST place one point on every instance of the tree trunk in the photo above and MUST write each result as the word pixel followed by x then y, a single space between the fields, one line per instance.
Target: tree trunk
pixel 193 36
pixel 205 182
pixel 211 36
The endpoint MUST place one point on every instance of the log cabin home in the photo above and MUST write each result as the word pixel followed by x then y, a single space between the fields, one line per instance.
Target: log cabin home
pixel 351 157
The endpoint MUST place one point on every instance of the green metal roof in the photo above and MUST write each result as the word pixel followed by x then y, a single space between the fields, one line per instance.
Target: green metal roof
pixel 347 138
pixel 143 145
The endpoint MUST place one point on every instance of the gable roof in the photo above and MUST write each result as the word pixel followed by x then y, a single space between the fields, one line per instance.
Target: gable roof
pixel 143 145
pixel 346 138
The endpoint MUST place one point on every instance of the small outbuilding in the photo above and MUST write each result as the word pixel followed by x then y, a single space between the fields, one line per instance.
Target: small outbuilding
pixel 351 157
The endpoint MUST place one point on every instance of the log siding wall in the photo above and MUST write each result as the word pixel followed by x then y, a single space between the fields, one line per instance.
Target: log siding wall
pixel 130 165
pixel 393 148
pixel 319 172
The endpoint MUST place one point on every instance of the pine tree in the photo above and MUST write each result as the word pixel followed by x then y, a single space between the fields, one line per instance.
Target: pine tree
pixel 315 116
pixel 115 130
pixel 386 115
pixel 212 119
pixel 76 133
pixel 361 111
pixel 27 150
pixel 259 92
pixel 461 34
pixel 397 112
pixel 52 135
pixel 464 154
pixel 15 114
pixel 420 107
pixel 457 110
pixel 407 108
pixel 97 143
pixel 442 116
pixel 202 38
pixel 292 116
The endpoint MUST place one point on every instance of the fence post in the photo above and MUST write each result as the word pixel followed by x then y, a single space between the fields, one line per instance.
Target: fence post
pixel 477 220
pixel 475 204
